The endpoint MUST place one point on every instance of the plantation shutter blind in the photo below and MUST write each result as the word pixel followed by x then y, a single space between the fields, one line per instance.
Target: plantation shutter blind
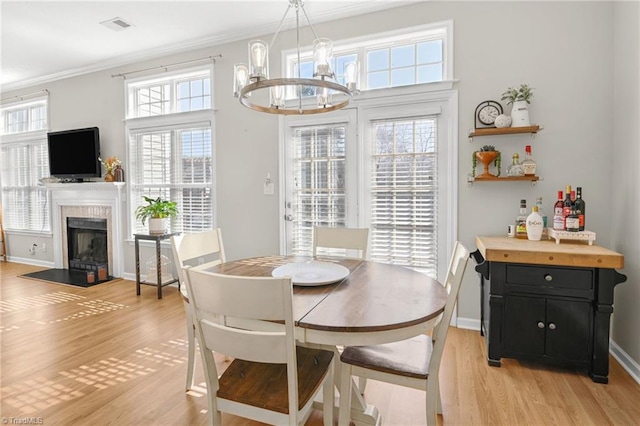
pixel 319 191
pixel 25 205
pixel 175 163
pixel 404 184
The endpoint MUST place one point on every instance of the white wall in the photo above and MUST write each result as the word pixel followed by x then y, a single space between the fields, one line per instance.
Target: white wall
pixel 626 175
pixel 564 50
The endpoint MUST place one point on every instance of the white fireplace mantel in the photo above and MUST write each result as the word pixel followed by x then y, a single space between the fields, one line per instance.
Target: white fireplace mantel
pixel 84 196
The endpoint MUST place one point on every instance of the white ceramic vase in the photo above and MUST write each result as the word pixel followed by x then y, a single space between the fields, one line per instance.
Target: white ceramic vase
pixel 157 226
pixel 520 114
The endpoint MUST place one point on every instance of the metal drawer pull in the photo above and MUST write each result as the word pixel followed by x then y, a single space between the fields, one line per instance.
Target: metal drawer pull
pixel 552 326
pixel 548 277
pixel 540 324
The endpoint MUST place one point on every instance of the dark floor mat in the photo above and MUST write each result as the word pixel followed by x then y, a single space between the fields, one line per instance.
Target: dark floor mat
pixel 64 276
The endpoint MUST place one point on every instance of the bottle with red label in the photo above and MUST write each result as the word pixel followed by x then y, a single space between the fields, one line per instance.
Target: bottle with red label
pixel 580 207
pixel 558 217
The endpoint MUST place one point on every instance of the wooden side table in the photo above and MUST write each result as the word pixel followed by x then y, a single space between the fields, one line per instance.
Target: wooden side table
pixel 157 238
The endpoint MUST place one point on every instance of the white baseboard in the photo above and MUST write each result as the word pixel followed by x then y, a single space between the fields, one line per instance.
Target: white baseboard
pixel 30 261
pixel 469 323
pixel 628 363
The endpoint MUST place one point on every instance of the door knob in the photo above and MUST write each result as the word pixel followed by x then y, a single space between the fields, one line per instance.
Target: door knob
pixel 552 326
pixel 548 277
pixel 540 324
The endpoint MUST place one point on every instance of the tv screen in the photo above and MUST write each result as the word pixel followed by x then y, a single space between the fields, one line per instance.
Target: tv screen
pixel 73 154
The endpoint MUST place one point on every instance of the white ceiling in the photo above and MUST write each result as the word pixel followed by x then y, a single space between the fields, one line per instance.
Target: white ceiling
pixel 47 40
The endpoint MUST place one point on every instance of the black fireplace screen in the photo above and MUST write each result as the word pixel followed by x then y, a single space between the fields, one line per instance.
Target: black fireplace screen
pixel 87 243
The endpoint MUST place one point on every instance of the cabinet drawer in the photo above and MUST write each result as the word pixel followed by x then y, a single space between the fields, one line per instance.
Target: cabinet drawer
pixel 567 281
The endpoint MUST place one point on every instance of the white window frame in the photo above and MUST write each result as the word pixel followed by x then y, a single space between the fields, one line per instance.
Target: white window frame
pixel 171 120
pixel 442 30
pixel 31 137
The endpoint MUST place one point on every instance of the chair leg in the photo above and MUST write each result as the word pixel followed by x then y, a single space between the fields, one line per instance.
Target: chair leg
pixel 328 397
pixel 344 412
pixel 432 402
pixel 191 341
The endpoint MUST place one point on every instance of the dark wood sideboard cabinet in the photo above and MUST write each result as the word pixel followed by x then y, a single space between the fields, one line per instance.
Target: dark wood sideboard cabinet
pixel 547 302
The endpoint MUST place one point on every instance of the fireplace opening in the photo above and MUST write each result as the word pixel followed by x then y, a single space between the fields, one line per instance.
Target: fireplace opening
pixel 87 244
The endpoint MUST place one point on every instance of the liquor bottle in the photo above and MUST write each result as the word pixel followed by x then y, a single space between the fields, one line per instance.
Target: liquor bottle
pixel 534 225
pixel 567 204
pixel 558 217
pixel 572 223
pixel 580 207
pixel 528 164
pixel 515 169
pixel 521 221
pixel 544 217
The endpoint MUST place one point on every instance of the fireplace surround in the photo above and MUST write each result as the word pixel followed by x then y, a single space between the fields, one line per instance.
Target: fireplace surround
pixel 89 200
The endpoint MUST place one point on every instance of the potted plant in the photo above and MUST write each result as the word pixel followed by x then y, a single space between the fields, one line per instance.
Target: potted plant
pixel 157 211
pixel 487 154
pixel 520 98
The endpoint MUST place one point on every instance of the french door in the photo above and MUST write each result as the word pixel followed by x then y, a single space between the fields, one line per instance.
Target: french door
pixel 320 174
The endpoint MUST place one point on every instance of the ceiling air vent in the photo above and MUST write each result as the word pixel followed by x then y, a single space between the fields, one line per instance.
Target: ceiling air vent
pixel 116 24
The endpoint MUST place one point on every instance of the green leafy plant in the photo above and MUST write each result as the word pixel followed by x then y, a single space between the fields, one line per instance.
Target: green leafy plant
pixel 523 93
pixel 156 209
pixel 488 148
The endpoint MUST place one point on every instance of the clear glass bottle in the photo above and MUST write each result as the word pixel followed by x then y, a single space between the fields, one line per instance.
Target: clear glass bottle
pixel 521 221
pixel 515 169
pixel 544 217
pixel 528 164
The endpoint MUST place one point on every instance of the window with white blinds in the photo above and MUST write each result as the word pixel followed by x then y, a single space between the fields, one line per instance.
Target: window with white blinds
pixel 170 150
pixel 24 161
pixel 319 192
pixel 404 185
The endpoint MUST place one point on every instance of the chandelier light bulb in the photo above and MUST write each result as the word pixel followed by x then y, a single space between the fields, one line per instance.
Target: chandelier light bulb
pixel 322 51
pixel 258 59
pixel 352 76
pixel 277 97
pixel 240 78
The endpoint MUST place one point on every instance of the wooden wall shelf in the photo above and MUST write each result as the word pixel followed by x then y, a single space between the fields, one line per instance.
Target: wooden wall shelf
pixel 532 179
pixel 505 131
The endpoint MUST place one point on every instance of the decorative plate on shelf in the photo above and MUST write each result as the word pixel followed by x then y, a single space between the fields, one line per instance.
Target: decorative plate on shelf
pixel 311 273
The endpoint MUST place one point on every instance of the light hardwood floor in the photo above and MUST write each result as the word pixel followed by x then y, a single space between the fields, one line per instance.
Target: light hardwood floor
pixel 102 356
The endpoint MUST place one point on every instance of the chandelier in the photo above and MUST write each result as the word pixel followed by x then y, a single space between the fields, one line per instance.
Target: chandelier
pixel 255 90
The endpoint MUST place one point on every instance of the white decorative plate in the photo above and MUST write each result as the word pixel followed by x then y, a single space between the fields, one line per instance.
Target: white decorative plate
pixel 311 273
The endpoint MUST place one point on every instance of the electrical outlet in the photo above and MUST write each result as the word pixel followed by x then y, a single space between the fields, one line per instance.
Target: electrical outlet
pixel 43 246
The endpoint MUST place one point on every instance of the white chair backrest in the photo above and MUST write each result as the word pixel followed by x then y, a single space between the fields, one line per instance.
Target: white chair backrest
pixel 251 298
pixel 341 238
pixel 457 266
pixel 198 248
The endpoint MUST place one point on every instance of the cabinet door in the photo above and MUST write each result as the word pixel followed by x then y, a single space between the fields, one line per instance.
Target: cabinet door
pixel 568 330
pixel 524 325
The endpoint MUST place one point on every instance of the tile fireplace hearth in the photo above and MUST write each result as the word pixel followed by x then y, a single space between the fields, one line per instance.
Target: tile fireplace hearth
pixel 91 201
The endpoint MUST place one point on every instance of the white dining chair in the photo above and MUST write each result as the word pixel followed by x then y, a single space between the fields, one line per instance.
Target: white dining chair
pixel 202 248
pixel 325 238
pixel 412 363
pixel 270 378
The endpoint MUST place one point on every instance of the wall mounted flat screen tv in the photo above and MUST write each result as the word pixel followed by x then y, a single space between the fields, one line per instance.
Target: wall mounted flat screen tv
pixel 73 154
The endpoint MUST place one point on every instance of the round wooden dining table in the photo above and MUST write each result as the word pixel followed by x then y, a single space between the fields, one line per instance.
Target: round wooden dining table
pixel 376 303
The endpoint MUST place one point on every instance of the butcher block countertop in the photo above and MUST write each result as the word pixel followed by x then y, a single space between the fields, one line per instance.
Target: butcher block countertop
pixel 547 252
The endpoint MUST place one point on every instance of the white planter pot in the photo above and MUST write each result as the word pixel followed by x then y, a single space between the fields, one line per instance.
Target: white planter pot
pixel 157 226
pixel 520 114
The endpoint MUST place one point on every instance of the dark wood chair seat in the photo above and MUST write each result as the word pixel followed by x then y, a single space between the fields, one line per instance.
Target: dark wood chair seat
pixel 408 358
pixel 265 385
